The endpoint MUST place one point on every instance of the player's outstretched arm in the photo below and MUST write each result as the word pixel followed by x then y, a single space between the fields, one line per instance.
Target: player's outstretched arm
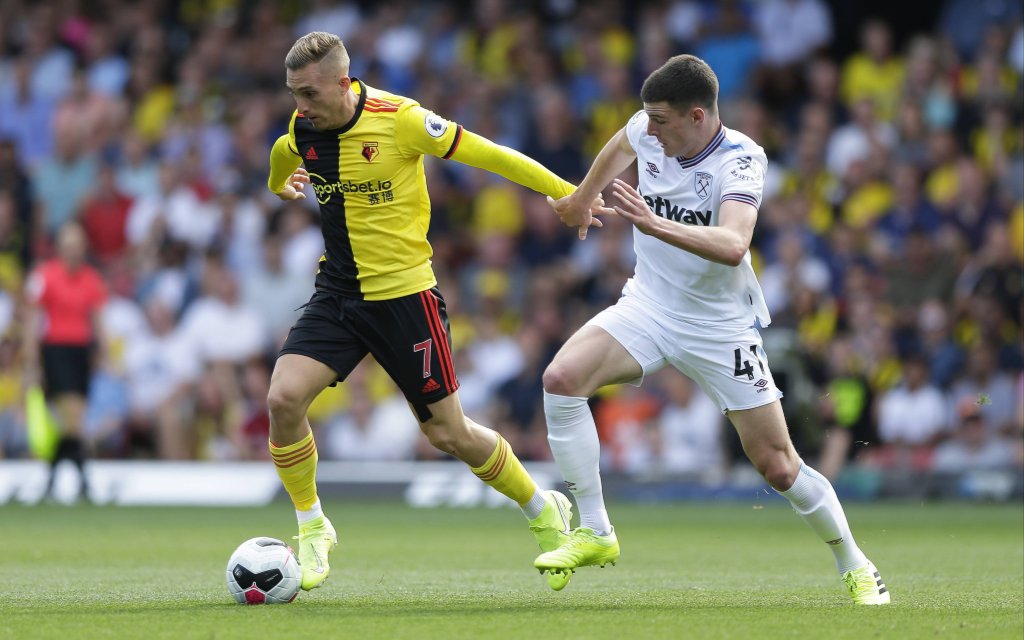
pixel 726 243
pixel 578 209
pixel 477 151
pixel 287 179
pixel 480 152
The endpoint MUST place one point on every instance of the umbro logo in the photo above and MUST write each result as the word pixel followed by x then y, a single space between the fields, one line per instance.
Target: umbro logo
pixel 761 385
pixel 311 154
pixel 431 386
pixel 652 170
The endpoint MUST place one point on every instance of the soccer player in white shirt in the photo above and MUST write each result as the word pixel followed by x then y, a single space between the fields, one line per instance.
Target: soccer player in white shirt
pixel 693 303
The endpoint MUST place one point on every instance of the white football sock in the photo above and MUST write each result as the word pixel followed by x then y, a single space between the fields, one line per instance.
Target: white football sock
pixel 813 497
pixel 314 512
pixel 572 435
pixel 536 504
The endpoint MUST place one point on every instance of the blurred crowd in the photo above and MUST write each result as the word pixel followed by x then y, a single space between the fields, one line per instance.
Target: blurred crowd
pixel 890 243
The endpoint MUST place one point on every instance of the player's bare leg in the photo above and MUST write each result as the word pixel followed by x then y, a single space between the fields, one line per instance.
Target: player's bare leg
pixel 493 461
pixel 766 441
pixel 296 381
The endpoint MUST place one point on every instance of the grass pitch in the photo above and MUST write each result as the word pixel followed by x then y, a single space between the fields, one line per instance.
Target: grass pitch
pixel 687 571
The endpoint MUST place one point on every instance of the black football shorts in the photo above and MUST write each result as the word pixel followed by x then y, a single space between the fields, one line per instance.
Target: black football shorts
pixel 408 336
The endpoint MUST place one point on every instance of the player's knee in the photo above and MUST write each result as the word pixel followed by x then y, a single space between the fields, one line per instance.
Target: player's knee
pixel 441 437
pixel 284 402
pixel 779 472
pixel 561 380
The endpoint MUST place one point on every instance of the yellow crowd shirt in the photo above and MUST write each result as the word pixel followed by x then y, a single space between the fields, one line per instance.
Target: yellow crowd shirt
pixel 368 179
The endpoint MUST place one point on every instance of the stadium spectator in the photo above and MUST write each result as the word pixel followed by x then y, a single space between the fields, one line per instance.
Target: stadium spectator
pixel 61 182
pixel 909 212
pixel 845 409
pixel 793 270
pixel 369 430
pixel 87 115
pixel 790 32
pixel 865 138
pixel 912 418
pixel 729 45
pixel 26 114
pixel 273 293
pixel 973 445
pixel 221 329
pixel 935 340
pixel 165 215
pixel 689 428
pixel 986 385
pixel 922 274
pixel 104 217
pixel 161 369
pixel 302 242
pixel 137 174
pixel 874 74
pixel 520 412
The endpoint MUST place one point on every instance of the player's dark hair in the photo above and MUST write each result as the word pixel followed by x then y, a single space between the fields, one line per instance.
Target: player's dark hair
pixel 683 82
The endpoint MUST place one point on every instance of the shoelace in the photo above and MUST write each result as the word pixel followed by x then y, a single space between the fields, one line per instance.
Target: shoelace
pixel 576 540
pixel 859 582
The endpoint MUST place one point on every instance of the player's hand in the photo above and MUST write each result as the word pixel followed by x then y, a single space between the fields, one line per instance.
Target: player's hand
pixel 293 189
pixel 634 208
pixel 572 214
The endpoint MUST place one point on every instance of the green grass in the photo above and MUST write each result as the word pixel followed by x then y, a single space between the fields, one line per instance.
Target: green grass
pixel 687 570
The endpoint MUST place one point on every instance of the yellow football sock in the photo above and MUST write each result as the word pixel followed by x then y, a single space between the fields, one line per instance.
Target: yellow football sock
pixel 296 465
pixel 504 472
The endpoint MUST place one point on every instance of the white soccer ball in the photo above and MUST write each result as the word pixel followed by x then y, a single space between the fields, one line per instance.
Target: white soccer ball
pixel 263 571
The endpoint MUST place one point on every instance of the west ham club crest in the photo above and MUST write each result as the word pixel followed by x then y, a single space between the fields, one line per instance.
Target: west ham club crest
pixel 702 183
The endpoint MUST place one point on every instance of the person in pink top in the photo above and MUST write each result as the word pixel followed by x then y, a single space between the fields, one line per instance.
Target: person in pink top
pixel 62 339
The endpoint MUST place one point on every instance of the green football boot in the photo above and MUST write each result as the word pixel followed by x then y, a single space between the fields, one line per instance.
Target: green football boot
pixel 551 529
pixel 866 586
pixel 584 548
pixel 317 539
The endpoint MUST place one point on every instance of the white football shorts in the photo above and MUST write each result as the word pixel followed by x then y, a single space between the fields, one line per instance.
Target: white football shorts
pixel 730 365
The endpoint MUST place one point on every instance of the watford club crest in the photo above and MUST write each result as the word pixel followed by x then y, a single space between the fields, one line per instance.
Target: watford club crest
pixel 370 151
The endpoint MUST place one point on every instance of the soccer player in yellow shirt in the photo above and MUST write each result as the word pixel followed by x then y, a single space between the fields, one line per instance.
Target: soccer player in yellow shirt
pixel 376 293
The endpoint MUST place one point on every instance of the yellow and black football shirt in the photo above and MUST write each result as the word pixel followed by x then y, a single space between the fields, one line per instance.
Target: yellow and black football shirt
pixel 369 181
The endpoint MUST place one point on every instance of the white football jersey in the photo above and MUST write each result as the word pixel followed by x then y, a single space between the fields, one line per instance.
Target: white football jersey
pixel 689 191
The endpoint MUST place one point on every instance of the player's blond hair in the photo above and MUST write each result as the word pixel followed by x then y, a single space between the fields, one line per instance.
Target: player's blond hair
pixel 314 47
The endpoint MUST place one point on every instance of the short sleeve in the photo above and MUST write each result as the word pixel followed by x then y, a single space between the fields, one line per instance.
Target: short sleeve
pixel 419 131
pixel 744 178
pixel 636 127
